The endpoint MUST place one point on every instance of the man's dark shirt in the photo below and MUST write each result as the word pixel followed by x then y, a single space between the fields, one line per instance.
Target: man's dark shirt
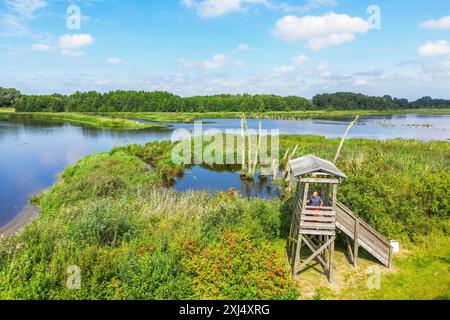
pixel 315 201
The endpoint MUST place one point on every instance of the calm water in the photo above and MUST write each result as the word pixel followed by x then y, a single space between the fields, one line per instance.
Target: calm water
pixel 418 127
pixel 33 153
pixel 203 179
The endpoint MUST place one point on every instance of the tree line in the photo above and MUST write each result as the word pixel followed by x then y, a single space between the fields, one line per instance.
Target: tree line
pixel 8 97
pixel 158 101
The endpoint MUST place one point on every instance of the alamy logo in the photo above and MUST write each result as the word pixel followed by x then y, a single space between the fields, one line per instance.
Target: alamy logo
pixel 374 280
pixel 74 19
pixel 231 147
pixel 374 19
pixel 73 278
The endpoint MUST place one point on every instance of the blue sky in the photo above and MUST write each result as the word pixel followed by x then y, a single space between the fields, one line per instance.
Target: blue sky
pixel 192 47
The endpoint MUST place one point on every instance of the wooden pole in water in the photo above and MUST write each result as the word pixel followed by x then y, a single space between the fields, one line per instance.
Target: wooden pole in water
pixel 249 148
pixel 338 153
pixel 258 150
pixel 243 151
pixel 275 168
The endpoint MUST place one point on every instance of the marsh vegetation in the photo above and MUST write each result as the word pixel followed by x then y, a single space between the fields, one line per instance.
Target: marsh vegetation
pixel 134 238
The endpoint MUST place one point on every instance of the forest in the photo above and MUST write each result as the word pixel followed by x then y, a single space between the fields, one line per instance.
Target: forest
pixel 142 101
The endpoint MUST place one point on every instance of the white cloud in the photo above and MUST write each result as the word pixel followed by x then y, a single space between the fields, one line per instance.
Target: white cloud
pixel 316 44
pixel 360 82
pixel 113 60
pixel 429 77
pixel 214 8
pixel 70 44
pixel 72 53
pixel 216 62
pixel 284 69
pixel 101 83
pixel 320 31
pixel 40 47
pixel 74 41
pixel 244 47
pixel 443 23
pixel 25 8
pixel 437 48
pixel 323 69
pixel 300 59
pixel 12 25
pixel 14 22
pixel 314 4
pixel 239 63
pixel 217 8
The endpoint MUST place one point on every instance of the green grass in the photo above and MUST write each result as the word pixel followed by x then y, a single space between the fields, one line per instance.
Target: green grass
pixel 135 239
pixel 324 114
pixel 422 273
pixel 121 120
pixel 95 121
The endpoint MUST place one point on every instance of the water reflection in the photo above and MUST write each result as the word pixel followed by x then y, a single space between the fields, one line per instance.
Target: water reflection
pixel 225 179
pixel 33 153
pixel 417 127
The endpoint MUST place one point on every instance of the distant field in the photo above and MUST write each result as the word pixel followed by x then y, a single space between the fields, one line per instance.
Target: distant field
pixel 190 117
pixel 123 120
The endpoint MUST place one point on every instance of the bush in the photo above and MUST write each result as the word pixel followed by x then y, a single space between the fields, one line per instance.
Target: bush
pixel 234 267
pixel 103 223
pixel 259 217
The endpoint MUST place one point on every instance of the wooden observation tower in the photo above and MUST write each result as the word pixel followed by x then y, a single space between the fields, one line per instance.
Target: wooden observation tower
pixel 313 228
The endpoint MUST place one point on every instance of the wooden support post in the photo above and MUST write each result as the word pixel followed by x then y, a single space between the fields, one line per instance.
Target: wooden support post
pixel 391 256
pixel 324 239
pixel 316 253
pixel 314 248
pixel 356 248
pixel 298 258
pixel 350 250
pixel 331 261
pixel 293 233
pixel 294 236
pixel 305 196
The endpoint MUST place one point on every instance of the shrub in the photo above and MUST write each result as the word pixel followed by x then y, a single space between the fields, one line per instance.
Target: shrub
pixel 103 223
pixel 234 267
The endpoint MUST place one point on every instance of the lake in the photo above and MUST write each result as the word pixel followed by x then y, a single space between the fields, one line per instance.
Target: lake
pixel 34 153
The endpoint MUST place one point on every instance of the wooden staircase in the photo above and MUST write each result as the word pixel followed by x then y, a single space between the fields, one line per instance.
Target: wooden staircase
pixel 314 227
pixel 363 235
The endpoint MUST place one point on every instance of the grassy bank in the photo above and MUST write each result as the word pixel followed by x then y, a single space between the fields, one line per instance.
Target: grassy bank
pixel 326 114
pixel 95 121
pixel 134 239
pixel 124 120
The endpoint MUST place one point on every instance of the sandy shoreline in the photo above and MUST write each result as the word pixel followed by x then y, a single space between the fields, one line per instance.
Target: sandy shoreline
pixel 28 213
